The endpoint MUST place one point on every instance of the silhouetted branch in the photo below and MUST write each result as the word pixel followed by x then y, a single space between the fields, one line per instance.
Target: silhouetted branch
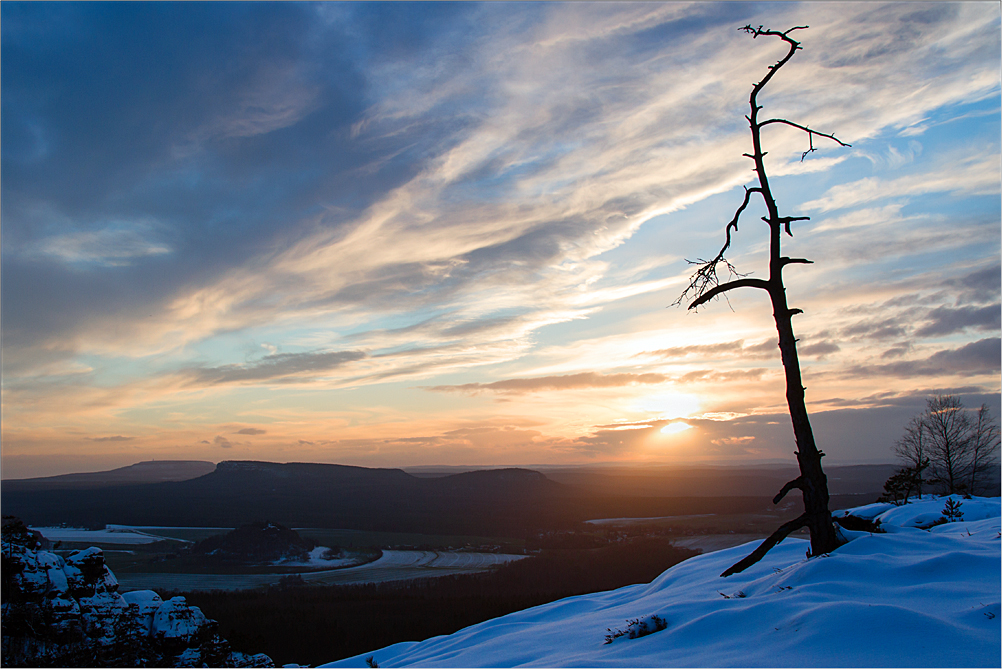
pixel 784 531
pixel 794 46
pixel 810 134
pixel 795 483
pixel 730 285
pixel 786 220
pixel 706 276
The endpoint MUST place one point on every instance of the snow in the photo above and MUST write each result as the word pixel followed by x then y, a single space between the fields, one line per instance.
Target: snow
pixel 147 602
pixel 106 536
pixel 907 597
pixel 392 566
pixel 174 619
pixel 316 559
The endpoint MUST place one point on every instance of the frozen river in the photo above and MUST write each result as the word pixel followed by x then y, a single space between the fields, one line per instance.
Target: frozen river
pixel 392 566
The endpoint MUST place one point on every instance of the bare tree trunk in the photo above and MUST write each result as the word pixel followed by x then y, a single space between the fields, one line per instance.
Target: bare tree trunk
pixel 705 285
pixel 814 483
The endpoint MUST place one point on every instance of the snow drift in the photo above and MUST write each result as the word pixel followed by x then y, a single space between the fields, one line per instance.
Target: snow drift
pixel 905 597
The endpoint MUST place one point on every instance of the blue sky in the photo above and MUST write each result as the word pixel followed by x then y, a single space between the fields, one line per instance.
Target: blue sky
pixel 398 234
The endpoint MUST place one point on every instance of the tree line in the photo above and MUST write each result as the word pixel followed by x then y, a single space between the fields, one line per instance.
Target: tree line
pixel 948 449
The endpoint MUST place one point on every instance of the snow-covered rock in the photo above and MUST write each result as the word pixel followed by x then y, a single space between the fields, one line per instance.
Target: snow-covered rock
pixel 146 602
pixel 907 597
pixel 67 612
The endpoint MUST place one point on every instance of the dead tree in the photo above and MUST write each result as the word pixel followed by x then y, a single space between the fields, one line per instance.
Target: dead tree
pixel 705 284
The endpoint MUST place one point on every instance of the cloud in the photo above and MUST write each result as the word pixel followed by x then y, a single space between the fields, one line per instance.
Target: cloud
pixel 977 174
pixel 522 169
pixel 980 357
pixel 112 246
pixel 765 349
pixel 708 376
pixel 566 382
pixel 272 367
pixel 398 192
pixel 820 349
pixel 979 286
pixel 115 438
pixel 250 430
pixel 947 320
pixel 915 398
pixel 897 351
pixel 894 327
pixel 222 442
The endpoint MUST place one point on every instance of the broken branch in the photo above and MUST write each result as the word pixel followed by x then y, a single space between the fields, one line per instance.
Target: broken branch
pixel 795 483
pixel 784 530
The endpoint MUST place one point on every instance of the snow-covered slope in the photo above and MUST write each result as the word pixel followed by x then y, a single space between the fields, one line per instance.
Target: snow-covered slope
pixel 907 597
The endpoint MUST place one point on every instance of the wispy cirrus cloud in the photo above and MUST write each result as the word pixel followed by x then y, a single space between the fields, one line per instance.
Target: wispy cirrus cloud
pixel 978 174
pixel 273 368
pixel 116 245
pixel 566 382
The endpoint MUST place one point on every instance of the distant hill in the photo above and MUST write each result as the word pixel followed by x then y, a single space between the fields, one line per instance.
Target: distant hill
pixel 498 502
pixel 153 471
pixel 713 481
pixel 256 542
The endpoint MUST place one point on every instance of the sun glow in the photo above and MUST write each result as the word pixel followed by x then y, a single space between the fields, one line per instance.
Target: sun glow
pixel 670 404
pixel 675 428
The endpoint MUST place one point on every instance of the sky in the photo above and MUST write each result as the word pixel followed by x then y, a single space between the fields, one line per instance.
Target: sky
pixel 452 234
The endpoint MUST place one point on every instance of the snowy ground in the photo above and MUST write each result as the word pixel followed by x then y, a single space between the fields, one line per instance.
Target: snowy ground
pixel 110 535
pixel 392 566
pixel 908 597
pixel 316 560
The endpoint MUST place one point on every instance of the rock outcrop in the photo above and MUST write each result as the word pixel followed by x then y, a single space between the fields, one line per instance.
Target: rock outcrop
pixel 67 612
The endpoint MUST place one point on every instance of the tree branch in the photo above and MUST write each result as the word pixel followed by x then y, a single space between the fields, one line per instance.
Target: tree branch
pixel 786 220
pixel 706 276
pixel 730 285
pixel 794 47
pixel 784 261
pixel 810 134
pixel 795 483
pixel 784 530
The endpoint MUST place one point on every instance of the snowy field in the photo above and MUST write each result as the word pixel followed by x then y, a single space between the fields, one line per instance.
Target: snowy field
pixel 907 597
pixel 316 560
pixel 392 566
pixel 707 543
pixel 109 535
